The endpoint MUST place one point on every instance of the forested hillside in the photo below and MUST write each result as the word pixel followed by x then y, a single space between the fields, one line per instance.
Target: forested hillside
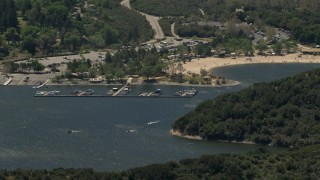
pixel 281 113
pixel 301 17
pixel 303 163
pixel 47 27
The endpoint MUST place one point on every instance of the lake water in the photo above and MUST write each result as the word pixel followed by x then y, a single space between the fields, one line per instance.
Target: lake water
pixel 34 131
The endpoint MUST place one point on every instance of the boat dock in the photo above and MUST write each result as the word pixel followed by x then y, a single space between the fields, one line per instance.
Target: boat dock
pixel 123 88
pixel 106 96
pixel 41 85
pixel 7 82
pixel 122 92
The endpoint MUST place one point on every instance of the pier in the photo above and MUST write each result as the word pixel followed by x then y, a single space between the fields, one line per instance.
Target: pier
pixel 7 82
pixel 41 85
pixel 123 87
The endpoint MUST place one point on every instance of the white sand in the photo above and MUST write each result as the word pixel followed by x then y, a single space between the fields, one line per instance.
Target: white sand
pixel 177 133
pixel 211 62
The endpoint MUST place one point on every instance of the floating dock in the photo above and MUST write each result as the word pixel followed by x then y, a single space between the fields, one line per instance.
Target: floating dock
pixel 106 96
pixel 115 92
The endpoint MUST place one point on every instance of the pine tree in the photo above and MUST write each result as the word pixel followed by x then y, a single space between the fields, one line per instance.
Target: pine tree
pixel 11 18
pixel 3 7
pixel 8 15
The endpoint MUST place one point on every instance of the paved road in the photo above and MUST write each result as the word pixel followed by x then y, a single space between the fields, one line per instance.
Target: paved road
pixel 153 20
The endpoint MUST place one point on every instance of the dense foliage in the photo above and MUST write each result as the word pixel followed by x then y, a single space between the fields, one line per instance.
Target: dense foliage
pixel 167 7
pixel 8 16
pixel 165 24
pixel 48 27
pixel 282 113
pixel 303 163
pixel 191 30
pixel 301 17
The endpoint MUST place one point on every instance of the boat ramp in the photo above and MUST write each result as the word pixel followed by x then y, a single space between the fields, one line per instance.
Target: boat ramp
pixel 7 82
pixel 41 85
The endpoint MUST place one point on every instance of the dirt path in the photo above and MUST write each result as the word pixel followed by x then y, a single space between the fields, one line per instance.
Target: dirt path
pixel 202 12
pixel 153 20
pixel 172 30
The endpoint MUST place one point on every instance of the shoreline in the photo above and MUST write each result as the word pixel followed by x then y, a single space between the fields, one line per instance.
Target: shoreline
pixel 210 63
pixel 35 82
pixel 194 66
pixel 180 135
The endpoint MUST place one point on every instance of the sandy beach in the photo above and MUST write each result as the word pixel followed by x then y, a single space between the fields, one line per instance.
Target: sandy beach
pixel 179 134
pixel 209 63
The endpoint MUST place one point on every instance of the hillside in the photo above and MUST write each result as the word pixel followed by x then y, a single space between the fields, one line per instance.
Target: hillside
pixel 281 113
pixel 37 27
pixel 300 17
pixel 303 163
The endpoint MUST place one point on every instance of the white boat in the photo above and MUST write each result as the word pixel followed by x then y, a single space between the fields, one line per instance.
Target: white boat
pixel 53 93
pixel 95 80
pixel 41 93
pixel 186 93
pixel 47 93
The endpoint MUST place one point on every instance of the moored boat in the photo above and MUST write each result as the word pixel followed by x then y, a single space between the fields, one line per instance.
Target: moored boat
pixel 155 93
pixel 186 93
pixel 47 93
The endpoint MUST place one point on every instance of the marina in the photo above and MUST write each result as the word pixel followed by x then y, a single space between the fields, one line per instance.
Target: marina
pixel 124 91
pixel 111 93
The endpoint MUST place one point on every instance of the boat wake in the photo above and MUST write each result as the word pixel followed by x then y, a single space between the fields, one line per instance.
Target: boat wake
pixel 153 122
pixel 74 131
pixel 131 130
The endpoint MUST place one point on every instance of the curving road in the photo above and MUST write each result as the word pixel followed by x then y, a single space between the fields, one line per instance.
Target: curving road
pixel 153 20
pixel 172 30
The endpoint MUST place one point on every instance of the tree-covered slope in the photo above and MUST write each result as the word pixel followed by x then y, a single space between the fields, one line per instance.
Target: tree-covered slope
pixel 300 17
pixel 51 26
pixel 303 163
pixel 167 7
pixel 281 113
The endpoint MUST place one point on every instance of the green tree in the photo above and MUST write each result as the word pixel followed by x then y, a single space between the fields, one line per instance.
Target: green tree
pixel 109 35
pixel 56 15
pixel 8 16
pixel 262 46
pixel 108 57
pixel 199 49
pixel 11 35
pixel 30 30
pixel 46 40
pixel 277 48
pixel 29 44
pixel 72 40
pixel 10 67
pixel 148 71
pixel 11 17
pixel 34 15
pixel 37 67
